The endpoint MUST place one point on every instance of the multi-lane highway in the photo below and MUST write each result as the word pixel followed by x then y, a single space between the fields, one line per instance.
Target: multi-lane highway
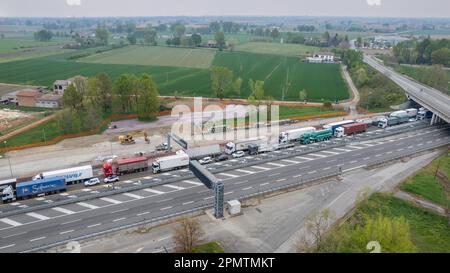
pixel 39 228
pixel 430 98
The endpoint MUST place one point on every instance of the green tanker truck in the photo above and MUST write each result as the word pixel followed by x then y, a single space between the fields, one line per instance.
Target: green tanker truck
pixel 316 136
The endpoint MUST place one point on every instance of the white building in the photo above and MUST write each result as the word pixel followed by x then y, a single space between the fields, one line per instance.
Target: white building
pixel 321 57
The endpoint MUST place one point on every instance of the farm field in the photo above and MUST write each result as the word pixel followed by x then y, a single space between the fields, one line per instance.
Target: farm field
pixel 276 48
pixel 155 55
pixel 15 45
pixel 321 81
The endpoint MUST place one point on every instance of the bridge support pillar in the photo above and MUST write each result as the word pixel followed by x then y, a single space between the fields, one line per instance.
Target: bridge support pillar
pixel 433 119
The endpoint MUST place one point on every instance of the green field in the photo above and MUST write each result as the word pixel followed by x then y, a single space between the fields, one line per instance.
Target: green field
pixel 424 184
pixel 15 45
pixel 211 247
pixel 321 81
pixel 155 55
pixel 276 48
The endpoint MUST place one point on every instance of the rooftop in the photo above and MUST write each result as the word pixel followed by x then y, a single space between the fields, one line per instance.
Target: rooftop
pixel 28 93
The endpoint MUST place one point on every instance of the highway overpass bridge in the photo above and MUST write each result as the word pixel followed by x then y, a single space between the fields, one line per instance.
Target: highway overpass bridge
pixel 430 98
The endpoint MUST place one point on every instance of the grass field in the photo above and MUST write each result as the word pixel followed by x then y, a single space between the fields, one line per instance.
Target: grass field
pixel 321 81
pixel 211 247
pixel 41 133
pixel 14 45
pixel 425 185
pixel 155 55
pixel 276 48
pixel 429 231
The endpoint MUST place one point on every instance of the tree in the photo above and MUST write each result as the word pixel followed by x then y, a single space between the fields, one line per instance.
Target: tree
pixel 215 26
pixel 71 98
pixel 178 29
pixel 317 224
pixel 150 36
pixel 221 78
pixel 123 88
pixel 2 36
pixel 302 95
pixel 100 91
pixel 131 37
pixel 148 104
pixel 236 88
pixel 43 35
pixel 102 35
pixel 441 56
pixel 220 39
pixel 275 33
pixel 196 39
pixel 187 235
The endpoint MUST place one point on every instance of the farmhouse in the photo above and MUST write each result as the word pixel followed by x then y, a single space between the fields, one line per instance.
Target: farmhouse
pixel 212 44
pixel 60 86
pixel 10 98
pixel 49 101
pixel 27 97
pixel 321 57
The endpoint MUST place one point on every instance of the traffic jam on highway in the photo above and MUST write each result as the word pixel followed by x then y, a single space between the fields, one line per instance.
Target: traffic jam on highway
pixel 57 181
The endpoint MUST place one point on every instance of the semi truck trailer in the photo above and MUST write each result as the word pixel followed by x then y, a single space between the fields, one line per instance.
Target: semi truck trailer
pixel 232 147
pixel 33 188
pixel 200 152
pixel 294 135
pixel 317 136
pixel 391 121
pixel 179 160
pixel 125 165
pixel 72 175
pixel 333 126
pixel 350 129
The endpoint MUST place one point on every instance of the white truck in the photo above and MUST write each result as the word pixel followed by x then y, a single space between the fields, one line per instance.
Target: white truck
pixel 398 113
pixel 72 175
pixel 412 112
pixel 198 152
pixel 293 135
pixel 167 163
pixel 232 147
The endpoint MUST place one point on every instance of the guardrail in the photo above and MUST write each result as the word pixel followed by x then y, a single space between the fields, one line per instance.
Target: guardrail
pixel 309 149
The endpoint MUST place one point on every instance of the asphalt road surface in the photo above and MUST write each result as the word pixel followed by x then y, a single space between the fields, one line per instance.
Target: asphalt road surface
pixel 428 97
pixel 39 228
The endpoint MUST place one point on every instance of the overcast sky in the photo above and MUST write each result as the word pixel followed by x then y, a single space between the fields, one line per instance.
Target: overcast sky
pixel 90 8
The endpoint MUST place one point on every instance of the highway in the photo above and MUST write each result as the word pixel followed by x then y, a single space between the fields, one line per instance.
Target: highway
pixel 39 228
pixel 430 98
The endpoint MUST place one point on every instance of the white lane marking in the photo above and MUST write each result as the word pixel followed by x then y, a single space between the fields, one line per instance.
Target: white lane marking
pixel 281 180
pixel 120 219
pixel 358 167
pixel 327 168
pixel 35 239
pixel 192 182
pixel 368 145
pixel 147 177
pixel 94 225
pixel 174 187
pixel 311 172
pixel 164 238
pixel 154 191
pixel 319 155
pixel 264 184
pixel 332 202
pixel 328 152
pixel 304 158
pixel 390 152
pixel 86 205
pixel 206 198
pixel 143 213
pixel 70 222
pixel 261 168
pixel 128 181
pixel 166 208
pixel 110 200
pixel 230 192
pixel 164 200
pixel 355 147
pixel 12 235
pixel 297 176
pixel 290 161
pixel 275 164
pixel 353 162
pixel 132 195
pixel 38 216
pixel 245 171
pixel 3 247
pixel 229 175
pixel 332 161
pixel 68 231
pixel 187 203
pixel 244 189
pixel 342 150
pixel 64 194
pixel 274 174
pixel 63 210
pixel 10 222
pixel 116 211
pixel 378 155
pixel 241 182
pixel 86 190
pixel 40 199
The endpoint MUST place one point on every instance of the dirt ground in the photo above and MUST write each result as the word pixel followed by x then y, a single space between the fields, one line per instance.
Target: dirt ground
pixel 14 118
pixel 6 88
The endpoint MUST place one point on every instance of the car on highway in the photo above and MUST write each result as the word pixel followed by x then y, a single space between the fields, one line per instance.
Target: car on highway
pixel 238 154
pixel 205 160
pixel 222 157
pixel 112 178
pixel 162 147
pixel 92 182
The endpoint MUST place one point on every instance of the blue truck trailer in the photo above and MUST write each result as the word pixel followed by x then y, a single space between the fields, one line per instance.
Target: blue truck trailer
pixel 33 188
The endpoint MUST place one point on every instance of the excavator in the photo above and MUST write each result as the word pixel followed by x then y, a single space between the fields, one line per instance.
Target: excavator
pixel 126 139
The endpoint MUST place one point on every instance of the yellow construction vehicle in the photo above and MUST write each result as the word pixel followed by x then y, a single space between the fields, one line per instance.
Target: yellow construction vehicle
pixel 126 139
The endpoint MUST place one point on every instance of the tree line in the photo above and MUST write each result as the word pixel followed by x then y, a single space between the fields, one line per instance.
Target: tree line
pixel 427 51
pixel 88 101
